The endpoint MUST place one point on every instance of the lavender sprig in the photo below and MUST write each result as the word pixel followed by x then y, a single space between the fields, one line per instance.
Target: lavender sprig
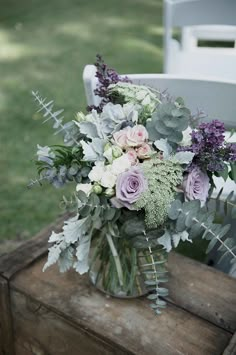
pixel 211 150
pixel 106 76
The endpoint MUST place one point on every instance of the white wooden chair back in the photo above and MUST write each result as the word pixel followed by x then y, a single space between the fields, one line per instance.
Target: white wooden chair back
pixel 191 35
pixel 216 98
pixel 193 17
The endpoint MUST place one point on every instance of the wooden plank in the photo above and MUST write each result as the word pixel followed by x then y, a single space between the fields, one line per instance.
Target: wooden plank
pixel 39 330
pixel 202 290
pixel 6 334
pixel 231 348
pixel 203 294
pixel 29 251
pixel 127 323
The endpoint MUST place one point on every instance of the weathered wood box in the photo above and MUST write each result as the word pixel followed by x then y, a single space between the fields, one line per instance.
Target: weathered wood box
pixel 53 313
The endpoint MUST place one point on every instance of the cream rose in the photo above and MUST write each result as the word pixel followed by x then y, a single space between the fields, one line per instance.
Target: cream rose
pixel 136 136
pixel 144 151
pixel 120 137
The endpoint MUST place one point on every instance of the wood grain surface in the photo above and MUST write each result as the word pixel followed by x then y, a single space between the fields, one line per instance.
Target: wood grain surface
pixel 29 251
pixel 231 348
pixel 121 323
pixel 203 290
pixel 6 333
pixel 57 313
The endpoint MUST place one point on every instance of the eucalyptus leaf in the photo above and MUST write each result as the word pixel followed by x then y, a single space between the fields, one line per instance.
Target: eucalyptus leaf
pixel 184 157
pixel 164 146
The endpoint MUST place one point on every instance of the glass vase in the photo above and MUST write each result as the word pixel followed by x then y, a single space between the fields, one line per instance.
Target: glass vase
pixel 127 272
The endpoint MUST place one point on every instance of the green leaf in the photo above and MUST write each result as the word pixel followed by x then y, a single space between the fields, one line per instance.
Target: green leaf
pixel 227 200
pixel 175 209
pixel 233 212
pixel 164 146
pixel 224 173
pixel 180 224
pixel 133 227
pixel 152 296
pixel 184 157
pixel 109 213
pixel 82 196
pixel 232 173
pixel 211 245
pixel 163 292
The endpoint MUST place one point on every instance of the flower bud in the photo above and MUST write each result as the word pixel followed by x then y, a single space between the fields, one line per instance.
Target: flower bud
pixel 80 117
pixel 97 189
pixel 109 192
pixel 107 146
pixel 116 151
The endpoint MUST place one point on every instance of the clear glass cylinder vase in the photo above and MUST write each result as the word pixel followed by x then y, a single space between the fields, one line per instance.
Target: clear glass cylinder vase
pixel 127 274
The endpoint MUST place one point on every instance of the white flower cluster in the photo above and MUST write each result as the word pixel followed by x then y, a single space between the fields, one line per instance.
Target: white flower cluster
pixel 140 95
pixel 105 175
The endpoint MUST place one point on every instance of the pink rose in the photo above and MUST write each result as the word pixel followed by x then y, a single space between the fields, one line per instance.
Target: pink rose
pixel 144 151
pixel 136 136
pixel 132 155
pixel 120 137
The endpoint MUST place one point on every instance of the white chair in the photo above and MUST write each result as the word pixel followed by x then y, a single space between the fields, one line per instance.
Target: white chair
pixel 216 98
pixel 200 19
pixel 191 35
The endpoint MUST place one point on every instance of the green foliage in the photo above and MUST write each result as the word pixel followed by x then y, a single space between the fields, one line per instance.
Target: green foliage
pixel 151 256
pixel 167 175
pixel 71 247
pixel 232 173
pixel 93 151
pixel 56 116
pixel 169 121
pixel 59 164
pixel 198 221
pixel 152 263
pixel 224 206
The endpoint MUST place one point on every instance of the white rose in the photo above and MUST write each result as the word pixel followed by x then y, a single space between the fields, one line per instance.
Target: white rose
pixel 86 188
pixel 121 164
pixel 187 140
pixel 108 179
pixel 97 172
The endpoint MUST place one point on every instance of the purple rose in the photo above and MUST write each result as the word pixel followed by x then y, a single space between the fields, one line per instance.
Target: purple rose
pixel 129 186
pixel 196 185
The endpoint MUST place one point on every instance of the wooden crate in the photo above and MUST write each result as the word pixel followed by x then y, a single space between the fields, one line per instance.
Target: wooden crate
pixel 53 313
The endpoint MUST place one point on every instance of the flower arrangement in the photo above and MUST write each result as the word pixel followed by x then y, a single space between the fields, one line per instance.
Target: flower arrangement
pixel 143 169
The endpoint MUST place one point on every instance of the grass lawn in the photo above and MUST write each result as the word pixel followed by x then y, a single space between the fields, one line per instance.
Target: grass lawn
pixel 44 45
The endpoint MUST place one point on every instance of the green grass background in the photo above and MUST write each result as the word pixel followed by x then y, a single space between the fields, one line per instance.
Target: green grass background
pixel 44 45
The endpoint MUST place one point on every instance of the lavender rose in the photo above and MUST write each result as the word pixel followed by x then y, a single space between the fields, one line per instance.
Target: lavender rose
pixel 129 186
pixel 196 185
